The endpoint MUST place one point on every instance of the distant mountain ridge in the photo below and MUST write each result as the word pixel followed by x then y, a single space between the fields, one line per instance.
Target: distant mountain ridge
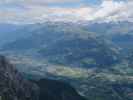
pixel 74 44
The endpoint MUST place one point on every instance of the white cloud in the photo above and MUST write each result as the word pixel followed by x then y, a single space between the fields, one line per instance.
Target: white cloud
pixel 115 11
pixel 107 11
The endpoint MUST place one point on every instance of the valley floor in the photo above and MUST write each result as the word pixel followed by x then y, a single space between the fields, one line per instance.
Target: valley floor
pixel 95 84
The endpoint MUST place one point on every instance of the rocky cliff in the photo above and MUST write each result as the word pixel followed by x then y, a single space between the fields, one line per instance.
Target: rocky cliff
pixel 13 86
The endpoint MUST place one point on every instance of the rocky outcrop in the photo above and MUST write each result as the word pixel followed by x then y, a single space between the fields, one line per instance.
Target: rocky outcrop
pixel 13 86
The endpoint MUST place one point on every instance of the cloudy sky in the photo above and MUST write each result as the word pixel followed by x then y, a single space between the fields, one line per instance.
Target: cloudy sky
pixel 32 11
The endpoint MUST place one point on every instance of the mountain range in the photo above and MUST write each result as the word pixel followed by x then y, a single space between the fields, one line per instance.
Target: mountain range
pixel 95 58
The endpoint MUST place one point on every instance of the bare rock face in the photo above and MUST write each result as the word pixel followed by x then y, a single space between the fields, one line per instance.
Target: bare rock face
pixel 13 86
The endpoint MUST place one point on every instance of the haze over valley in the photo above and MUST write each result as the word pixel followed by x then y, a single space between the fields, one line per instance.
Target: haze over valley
pixel 81 47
